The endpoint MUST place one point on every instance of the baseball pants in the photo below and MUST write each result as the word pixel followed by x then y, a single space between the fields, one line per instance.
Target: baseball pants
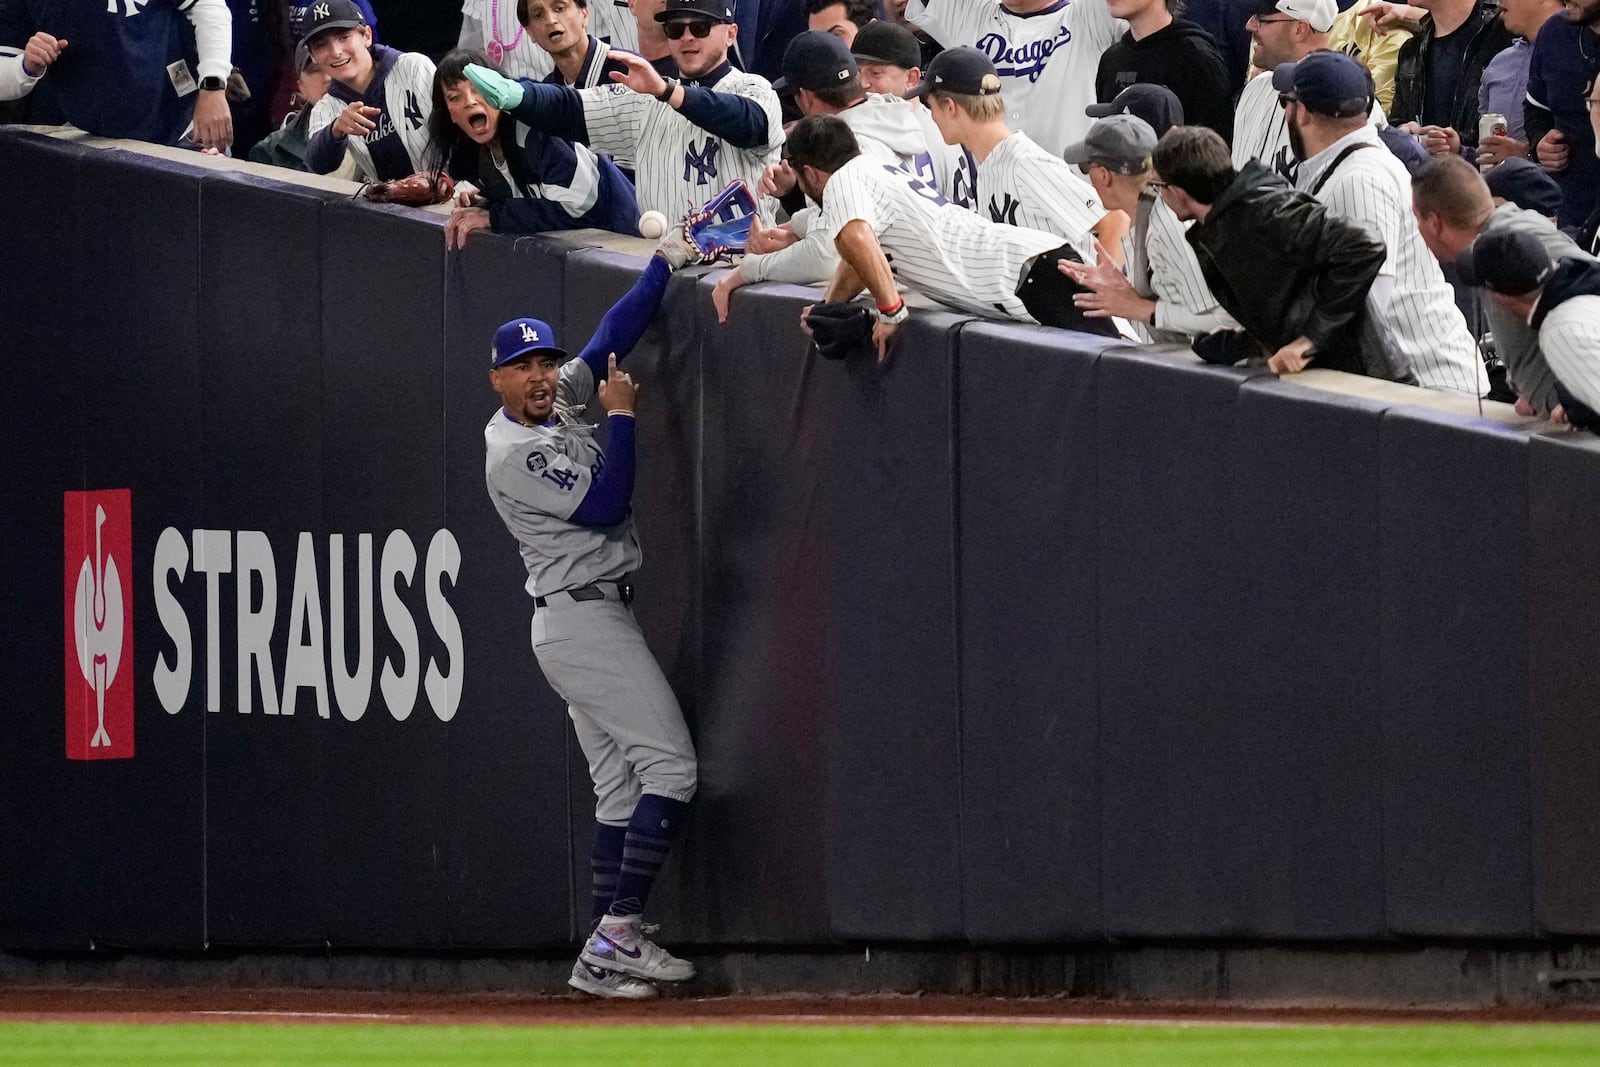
pixel 627 720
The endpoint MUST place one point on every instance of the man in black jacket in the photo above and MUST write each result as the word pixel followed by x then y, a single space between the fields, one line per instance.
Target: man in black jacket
pixel 1436 78
pixel 1159 49
pixel 1294 277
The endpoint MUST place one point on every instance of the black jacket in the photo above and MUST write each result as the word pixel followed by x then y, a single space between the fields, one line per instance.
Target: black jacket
pixel 1486 37
pixel 1285 268
pixel 1184 58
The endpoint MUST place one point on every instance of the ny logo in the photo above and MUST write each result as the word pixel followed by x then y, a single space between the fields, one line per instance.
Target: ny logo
pixel 529 334
pixel 320 11
pixel 413 111
pixel 704 161
pixel 1006 213
pixel 131 7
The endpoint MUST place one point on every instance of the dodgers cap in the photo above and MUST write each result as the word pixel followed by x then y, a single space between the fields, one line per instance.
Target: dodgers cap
pixel 1525 184
pixel 887 42
pixel 1120 143
pixel 1328 83
pixel 521 337
pixel 1156 104
pixel 718 10
pixel 1319 13
pixel 815 60
pixel 330 15
pixel 963 70
pixel 1503 260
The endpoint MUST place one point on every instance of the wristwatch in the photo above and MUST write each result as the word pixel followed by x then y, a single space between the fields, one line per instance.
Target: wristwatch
pixel 213 84
pixel 894 316
pixel 665 95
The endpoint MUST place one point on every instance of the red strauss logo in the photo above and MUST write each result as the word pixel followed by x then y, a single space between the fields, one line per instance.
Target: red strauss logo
pixel 98 534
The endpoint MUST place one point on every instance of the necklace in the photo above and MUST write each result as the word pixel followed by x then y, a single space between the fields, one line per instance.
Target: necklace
pixel 497 48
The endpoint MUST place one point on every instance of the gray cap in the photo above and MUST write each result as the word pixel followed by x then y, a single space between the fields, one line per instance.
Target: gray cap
pixel 1120 143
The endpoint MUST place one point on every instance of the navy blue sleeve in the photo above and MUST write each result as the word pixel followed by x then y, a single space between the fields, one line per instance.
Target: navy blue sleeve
pixel 530 214
pixel 323 153
pixel 625 323
pixel 611 491
pixel 617 209
pixel 553 109
pixel 738 120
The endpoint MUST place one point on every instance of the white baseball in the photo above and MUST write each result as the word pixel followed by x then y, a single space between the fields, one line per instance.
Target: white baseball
pixel 652 224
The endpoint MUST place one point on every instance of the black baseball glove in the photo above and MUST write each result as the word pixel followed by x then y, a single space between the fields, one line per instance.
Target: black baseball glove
pixel 839 329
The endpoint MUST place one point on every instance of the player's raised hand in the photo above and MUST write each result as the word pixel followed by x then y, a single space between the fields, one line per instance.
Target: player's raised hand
pixel 497 90
pixel 40 51
pixel 641 76
pixel 619 391
pixel 356 120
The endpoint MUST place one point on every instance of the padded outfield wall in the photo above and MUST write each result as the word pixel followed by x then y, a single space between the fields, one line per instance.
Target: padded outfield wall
pixel 1019 640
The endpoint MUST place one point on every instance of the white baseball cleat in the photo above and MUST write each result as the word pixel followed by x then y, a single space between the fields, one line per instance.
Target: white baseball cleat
pixel 618 945
pixel 599 982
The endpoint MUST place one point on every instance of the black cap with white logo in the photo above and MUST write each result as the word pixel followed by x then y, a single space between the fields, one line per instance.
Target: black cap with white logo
pixel 964 70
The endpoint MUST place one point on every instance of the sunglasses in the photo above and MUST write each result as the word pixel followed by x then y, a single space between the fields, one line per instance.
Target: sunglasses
pixel 1285 99
pixel 699 27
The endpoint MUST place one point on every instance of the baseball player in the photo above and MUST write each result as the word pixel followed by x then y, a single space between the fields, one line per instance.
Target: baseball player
pixel 567 502
pixel 820 72
pixel 889 58
pixel 689 139
pixel 1045 51
pixel 1327 97
pixel 879 213
pixel 379 101
pixel 507 31
pixel 1019 183
pixel 514 179
pixel 1163 291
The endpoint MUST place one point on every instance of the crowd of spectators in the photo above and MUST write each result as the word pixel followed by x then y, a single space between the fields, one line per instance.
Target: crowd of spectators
pixel 1408 192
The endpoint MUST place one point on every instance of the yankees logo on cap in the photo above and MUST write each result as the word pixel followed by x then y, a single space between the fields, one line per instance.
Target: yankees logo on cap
pixel 522 337
pixel 328 15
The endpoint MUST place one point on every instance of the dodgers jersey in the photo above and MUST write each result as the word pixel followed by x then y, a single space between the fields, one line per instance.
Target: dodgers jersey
pixel 1020 184
pixel 537 477
pixel 488 22
pixel 1047 61
pixel 402 88
pixel 947 252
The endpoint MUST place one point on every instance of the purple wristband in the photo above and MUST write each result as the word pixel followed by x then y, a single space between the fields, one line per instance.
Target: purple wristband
pixel 28 73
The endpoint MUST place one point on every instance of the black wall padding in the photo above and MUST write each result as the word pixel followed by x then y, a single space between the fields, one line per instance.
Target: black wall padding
pixel 1453 655
pixel 1030 563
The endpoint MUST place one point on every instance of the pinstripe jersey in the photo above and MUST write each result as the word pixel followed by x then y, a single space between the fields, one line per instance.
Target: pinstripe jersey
pixel 609 20
pixel 678 164
pixel 1411 300
pixel 1046 60
pixel 1162 264
pixel 1021 184
pixel 952 255
pixel 1570 338
pixel 402 88
pixel 949 168
pixel 1261 132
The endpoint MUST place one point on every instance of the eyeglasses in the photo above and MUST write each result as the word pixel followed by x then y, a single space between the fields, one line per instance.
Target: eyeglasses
pixel 1157 185
pixel 1269 21
pixel 698 27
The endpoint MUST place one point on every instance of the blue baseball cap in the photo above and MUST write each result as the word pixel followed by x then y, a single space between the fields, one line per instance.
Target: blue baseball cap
pixel 1503 260
pixel 815 60
pixel 521 337
pixel 1525 184
pixel 1156 104
pixel 1328 83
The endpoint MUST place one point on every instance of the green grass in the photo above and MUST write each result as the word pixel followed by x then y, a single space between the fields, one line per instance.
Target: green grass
pixel 1114 1045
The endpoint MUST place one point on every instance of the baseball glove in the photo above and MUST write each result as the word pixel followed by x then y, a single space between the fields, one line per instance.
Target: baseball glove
pixel 721 227
pixel 837 330
pixel 418 190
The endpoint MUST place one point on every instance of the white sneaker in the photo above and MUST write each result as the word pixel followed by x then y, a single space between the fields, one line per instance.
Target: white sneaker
pixel 618 945
pixel 599 982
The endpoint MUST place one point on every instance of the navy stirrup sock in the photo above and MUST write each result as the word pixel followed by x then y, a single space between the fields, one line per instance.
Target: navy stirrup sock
pixel 651 831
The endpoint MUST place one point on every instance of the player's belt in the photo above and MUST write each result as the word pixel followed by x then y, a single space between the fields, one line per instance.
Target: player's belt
pixel 622 591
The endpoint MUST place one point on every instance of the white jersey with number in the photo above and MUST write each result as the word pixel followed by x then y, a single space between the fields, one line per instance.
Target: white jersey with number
pixel 1261 132
pixel 1021 184
pixel 1410 298
pixel 950 168
pixel 537 477
pixel 1046 60
pixel 398 146
pixel 946 252
pixel 678 164
pixel 489 22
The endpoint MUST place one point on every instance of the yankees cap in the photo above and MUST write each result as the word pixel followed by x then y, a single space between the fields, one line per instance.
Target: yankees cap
pixel 330 15
pixel 519 338
pixel 1120 143
pixel 963 70
pixel 887 42
pixel 720 10
pixel 1319 13
pixel 1156 104
pixel 1512 262
pixel 1328 83
pixel 815 60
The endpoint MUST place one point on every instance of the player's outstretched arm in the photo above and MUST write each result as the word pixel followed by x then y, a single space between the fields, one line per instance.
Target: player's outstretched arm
pixel 627 320
pixel 610 493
